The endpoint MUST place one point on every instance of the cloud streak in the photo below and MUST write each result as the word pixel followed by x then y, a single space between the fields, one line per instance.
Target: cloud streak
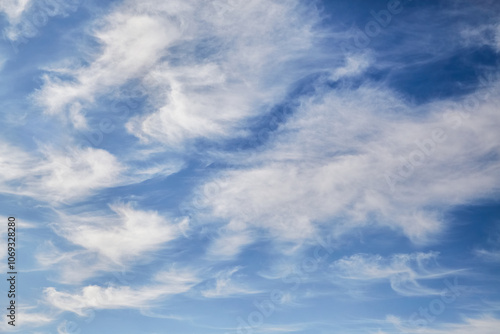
pixel 403 271
pixel 168 283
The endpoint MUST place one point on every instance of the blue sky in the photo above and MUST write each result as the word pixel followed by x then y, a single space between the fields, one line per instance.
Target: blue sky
pixel 252 166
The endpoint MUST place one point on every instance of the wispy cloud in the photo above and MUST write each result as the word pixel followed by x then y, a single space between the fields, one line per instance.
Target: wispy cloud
pixel 229 243
pixel 487 324
pixel 127 236
pixel 403 271
pixel 339 161
pixel 226 285
pixel 33 317
pixel 202 71
pixel 14 8
pixel 212 98
pixel 254 116
pixel 167 283
pixel 66 175
pixel 284 328
pixel 488 255
pixel 57 177
pixel 25 17
pixel 121 31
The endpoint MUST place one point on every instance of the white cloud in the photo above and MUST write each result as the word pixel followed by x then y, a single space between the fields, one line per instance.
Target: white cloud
pixel 229 243
pixel 25 17
pixel 13 163
pixel 251 49
pixel 66 176
pixel 403 271
pixel 354 65
pixel 127 234
pixel 226 285
pixel 486 324
pixel 14 8
pixel 331 166
pixel 76 176
pixel 488 255
pixel 166 284
pixel 126 237
pixel 480 35
pixel 56 176
pixel 149 313
pixel 31 318
pixel 204 69
pixel 131 43
pixel 359 157
pixel 72 267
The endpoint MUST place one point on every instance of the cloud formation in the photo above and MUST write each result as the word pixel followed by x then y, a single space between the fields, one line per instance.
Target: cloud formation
pixel 168 283
pixel 245 68
pixel 358 157
pixel 127 237
pixel 486 324
pixel 403 271
pixel 248 133
pixel 225 285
